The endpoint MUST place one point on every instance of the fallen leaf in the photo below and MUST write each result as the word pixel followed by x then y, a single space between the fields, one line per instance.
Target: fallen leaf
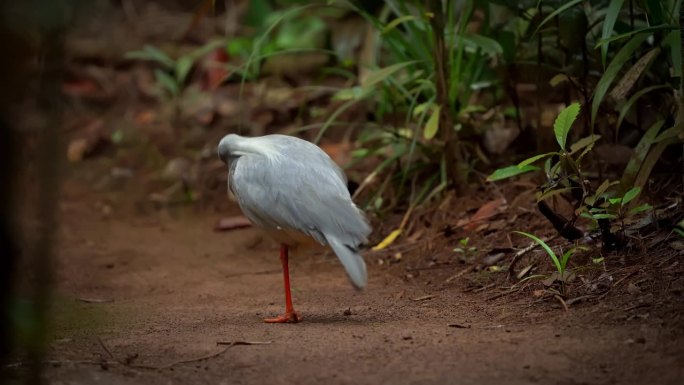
pixel 86 143
pixel 388 240
pixel 486 211
pixel 232 223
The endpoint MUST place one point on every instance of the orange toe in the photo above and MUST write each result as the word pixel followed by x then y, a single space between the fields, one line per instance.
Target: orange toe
pixel 289 317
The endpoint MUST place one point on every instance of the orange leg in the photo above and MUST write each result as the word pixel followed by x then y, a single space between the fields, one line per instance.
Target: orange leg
pixel 290 314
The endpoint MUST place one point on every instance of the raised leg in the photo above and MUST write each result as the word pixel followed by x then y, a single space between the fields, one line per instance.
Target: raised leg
pixel 290 314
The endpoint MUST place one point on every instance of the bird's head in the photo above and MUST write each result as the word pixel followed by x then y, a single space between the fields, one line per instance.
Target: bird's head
pixel 227 148
pixel 233 146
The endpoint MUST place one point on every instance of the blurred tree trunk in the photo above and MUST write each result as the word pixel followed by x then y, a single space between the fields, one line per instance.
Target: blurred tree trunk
pixel 31 74
pixel 455 165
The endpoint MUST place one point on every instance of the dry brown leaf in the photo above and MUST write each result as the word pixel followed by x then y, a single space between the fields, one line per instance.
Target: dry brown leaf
pixel 486 211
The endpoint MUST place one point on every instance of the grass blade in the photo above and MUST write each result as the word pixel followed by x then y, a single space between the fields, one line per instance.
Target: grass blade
pixel 510 171
pixel 612 71
pixel 557 12
pixel 546 247
pixel 612 14
pixel 535 158
pixel 640 31
pixel 640 152
pixel 632 99
pixel 383 73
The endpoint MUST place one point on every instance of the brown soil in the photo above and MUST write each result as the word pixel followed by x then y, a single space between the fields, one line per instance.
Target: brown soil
pixel 140 293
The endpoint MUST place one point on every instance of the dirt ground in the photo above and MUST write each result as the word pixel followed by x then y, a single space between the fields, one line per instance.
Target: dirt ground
pixel 140 293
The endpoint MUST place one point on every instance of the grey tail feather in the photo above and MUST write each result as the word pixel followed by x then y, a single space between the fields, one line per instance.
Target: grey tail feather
pixel 353 263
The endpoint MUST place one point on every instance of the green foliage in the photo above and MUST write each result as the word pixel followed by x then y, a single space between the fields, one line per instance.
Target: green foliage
pixel 565 176
pixel 563 123
pixel 173 74
pixel 429 87
pixel 560 263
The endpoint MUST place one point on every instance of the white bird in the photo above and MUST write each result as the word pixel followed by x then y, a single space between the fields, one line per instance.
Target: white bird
pixel 293 190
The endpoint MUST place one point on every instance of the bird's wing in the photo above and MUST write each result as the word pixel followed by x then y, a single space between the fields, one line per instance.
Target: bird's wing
pixel 309 197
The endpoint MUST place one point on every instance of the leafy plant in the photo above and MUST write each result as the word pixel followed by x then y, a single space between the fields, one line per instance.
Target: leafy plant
pixel 464 249
pixel 559 262
pixel 608 209
pixel 173 74
pixel 437 66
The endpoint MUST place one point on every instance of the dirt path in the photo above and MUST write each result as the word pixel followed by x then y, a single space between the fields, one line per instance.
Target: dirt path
pixel 173 288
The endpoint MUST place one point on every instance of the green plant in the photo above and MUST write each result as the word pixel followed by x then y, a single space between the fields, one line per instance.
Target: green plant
pixel 464 249
pixel 426 94
pixel 608 208
pixel 560 263
pixel 173 74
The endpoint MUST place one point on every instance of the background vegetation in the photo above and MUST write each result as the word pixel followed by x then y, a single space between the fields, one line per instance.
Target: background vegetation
pixel 421 101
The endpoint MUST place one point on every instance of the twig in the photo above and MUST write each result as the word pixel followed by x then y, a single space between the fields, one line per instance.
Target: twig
pixel 436 267
pixel 501 295
pixel 95 300
pixel 228 345
pixel 637 306
pixel 64 362
pixel 263 272
pixel 459 326
pixel 459 274
pixel 236 343
pixel 105 348
pixel 517 256
pixel 619 281
pixel 483 288
pixel 423 298
pixel 578 299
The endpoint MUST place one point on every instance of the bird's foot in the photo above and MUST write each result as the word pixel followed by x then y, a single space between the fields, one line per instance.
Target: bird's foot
pixel 289 317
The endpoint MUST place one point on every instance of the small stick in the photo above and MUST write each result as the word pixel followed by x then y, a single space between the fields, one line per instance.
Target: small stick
pixel 501 295
pixel 436 267
pixel 619 281
pixel 459 274
pixel 236 343
pixel 95 300
pixel 106 349
pixel 517 256
pixel 459 326
pixel 483 288
pixel 423 298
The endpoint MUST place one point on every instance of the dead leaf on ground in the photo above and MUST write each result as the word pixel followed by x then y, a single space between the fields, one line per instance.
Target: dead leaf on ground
pixel 87 143
pixel 232 223
pixel 486 211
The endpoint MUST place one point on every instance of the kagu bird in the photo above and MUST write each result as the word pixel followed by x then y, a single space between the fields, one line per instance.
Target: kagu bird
pixel 293 190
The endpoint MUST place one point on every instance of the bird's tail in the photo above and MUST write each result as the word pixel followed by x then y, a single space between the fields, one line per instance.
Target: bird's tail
pixel 353 263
